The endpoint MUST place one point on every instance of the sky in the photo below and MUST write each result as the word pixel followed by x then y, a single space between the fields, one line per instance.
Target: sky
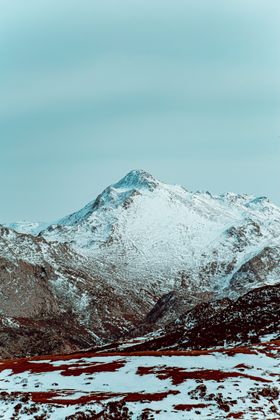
pixel 188 90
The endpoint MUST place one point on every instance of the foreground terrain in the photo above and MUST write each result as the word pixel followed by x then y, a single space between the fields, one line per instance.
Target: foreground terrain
pixel 240 383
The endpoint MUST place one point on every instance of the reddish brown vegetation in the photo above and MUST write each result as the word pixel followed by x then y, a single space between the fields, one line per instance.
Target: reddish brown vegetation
pixel 189 407
pixel 57 397
pixel 51 397
pixel 242 366
pixel 239 350
pixel 23 365
pixel 94 368
pixel 157 396
pixel 60 398
pixel 179 375
pixel 235 415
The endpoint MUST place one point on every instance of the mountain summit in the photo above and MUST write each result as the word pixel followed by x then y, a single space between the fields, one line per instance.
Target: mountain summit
pixel 137 179
pixel 113 196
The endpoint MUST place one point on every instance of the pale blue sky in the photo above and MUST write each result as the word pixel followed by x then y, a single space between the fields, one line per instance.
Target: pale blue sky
pixel 188 90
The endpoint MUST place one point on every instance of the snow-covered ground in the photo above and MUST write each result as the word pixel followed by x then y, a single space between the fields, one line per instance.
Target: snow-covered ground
pixel 229 383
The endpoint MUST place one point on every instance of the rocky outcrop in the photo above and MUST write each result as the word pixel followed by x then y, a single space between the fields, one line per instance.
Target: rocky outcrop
pixel 21 336
pixel 261 268
pixel 249 319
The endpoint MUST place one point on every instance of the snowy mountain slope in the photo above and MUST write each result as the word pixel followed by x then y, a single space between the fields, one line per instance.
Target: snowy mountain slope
pixel 231 383
pixel 27 227
pixel 140 228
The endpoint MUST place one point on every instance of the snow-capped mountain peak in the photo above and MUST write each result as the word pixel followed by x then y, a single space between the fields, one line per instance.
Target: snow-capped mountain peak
pixel 137 179
pixel 114 196
pixel 164 234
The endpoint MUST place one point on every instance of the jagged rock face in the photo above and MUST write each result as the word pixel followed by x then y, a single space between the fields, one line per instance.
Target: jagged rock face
pixel 262 268
pixel 170 306
pixel 24 290
pixel 140 242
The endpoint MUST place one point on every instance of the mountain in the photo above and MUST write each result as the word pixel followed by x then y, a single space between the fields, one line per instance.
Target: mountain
pixel 166 236
pixel 99 271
